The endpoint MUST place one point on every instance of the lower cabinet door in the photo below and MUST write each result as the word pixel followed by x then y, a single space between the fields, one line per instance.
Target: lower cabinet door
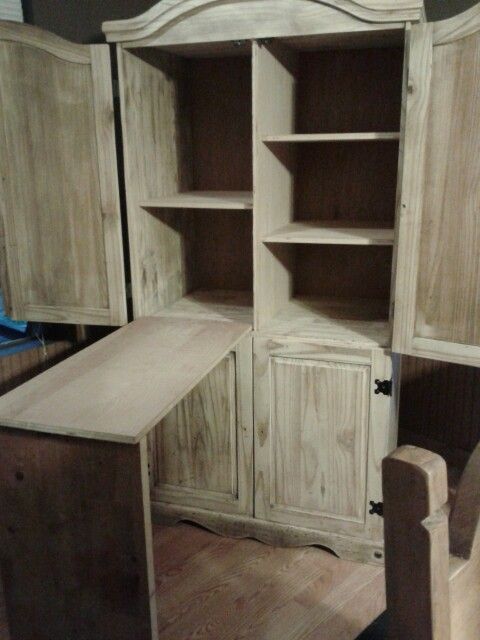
pixel 321 432
pixel 202 452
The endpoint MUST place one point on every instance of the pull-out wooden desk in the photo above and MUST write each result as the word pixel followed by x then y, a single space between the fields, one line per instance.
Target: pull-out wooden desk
pixel 75 529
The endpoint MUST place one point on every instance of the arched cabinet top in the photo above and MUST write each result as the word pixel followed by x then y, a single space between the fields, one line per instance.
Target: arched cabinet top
pixel 37 38
pixel 172 22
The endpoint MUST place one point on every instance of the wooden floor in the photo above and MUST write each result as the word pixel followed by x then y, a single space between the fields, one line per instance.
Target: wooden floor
pixel 224 589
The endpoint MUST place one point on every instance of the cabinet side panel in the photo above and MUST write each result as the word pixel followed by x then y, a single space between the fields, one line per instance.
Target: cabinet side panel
pixel 155 137
pixel 448 294
pixel 202 450
pixel 51 192
pixel 75 544
pixel 196 440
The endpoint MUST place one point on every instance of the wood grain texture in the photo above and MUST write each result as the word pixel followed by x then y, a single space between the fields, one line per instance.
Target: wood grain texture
pixel 203 200
pixel 412 188
pixel 37 38
pixel 448 293
pixel 369 136
pixel 320 232
pixel 271 533
pixel 347 322
pixel 416 544
pixel 204 448
pixel 178 21
pixel 74 542
pixel 213 305
pixel 357 181
pixel 173 253
pixel 131 379
pixel 372 75
pixel 274 69
pixel 437 292
pixel 316 430
pixel 68 219
pixel 246 589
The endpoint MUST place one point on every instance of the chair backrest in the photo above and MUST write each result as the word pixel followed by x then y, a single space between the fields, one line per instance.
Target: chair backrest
pixel 432 561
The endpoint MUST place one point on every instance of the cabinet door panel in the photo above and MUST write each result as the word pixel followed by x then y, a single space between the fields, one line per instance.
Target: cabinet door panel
pixel 202 450
pixel 319 429
pixel 437 310
pixel 59 190
pixel 320 435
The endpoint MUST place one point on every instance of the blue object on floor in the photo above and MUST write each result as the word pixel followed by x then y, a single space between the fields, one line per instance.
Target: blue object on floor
pixel 10 329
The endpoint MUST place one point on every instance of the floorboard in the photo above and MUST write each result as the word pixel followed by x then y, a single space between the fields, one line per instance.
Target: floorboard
pixel 224 589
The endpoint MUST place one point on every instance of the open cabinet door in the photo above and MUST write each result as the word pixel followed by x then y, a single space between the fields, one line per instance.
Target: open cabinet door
pixel 59 196
pixel 437 296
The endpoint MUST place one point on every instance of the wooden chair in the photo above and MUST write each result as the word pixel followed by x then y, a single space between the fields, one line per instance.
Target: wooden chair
pixel 432 549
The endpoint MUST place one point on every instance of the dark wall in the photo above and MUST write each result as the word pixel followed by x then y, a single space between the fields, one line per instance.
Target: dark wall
pixel 81 20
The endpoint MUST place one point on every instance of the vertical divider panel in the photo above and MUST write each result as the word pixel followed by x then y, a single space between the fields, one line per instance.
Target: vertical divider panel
pixel 274 83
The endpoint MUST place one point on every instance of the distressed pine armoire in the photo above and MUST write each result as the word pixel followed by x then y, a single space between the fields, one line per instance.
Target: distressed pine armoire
pixel 309 167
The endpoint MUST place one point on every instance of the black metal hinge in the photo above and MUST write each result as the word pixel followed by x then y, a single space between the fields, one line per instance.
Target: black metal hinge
pixel 376 508
pixel 383 386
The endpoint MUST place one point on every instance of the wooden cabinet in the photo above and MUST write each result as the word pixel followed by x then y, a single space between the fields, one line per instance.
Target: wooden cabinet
pixel 321 431
pixel 59 198
pixel 202 452
pixel 437 307
pixel 283 167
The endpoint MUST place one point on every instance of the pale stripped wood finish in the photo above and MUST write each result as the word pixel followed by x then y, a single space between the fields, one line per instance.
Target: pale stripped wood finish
pixel 272 533
pixel 213 305
pixel 122 386
pixel 437 310
pixel 244 587
pixel 333 137
pixel 325 232
pixel 204 200
pixel 318 428
pixel 58 137
pixel 432 561
pixel 190 151
pixel 273 83
pixel 176 22
pixel 204 447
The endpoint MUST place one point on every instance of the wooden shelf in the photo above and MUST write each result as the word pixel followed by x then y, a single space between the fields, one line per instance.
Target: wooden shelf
pixel 334 137
pixel 349 322
pixel 213 305
pixel 332 232
pixel 202 200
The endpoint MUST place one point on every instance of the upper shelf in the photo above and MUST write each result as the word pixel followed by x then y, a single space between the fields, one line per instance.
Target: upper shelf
pixel 202 200
pixel 332 232
pixel 369 136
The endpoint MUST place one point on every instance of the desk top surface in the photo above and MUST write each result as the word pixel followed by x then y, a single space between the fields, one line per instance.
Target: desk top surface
pixel 122 386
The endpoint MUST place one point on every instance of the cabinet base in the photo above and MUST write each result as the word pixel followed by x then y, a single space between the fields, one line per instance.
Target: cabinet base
pixel 279 535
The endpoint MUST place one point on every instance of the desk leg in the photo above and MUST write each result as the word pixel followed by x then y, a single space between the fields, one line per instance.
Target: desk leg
pixel 76 552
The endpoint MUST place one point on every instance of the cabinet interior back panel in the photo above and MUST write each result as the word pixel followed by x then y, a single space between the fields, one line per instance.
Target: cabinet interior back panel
pixel 448 290
pixel 342 271
pixel 196 442
pixel 220 108
pixel 354 181
pixel 319 428
pixel 349 90
pixel 55 203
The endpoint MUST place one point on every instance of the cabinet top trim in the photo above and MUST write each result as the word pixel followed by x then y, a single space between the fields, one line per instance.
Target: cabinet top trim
pixel 40 39
pixel 168 14
pixel 461 26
